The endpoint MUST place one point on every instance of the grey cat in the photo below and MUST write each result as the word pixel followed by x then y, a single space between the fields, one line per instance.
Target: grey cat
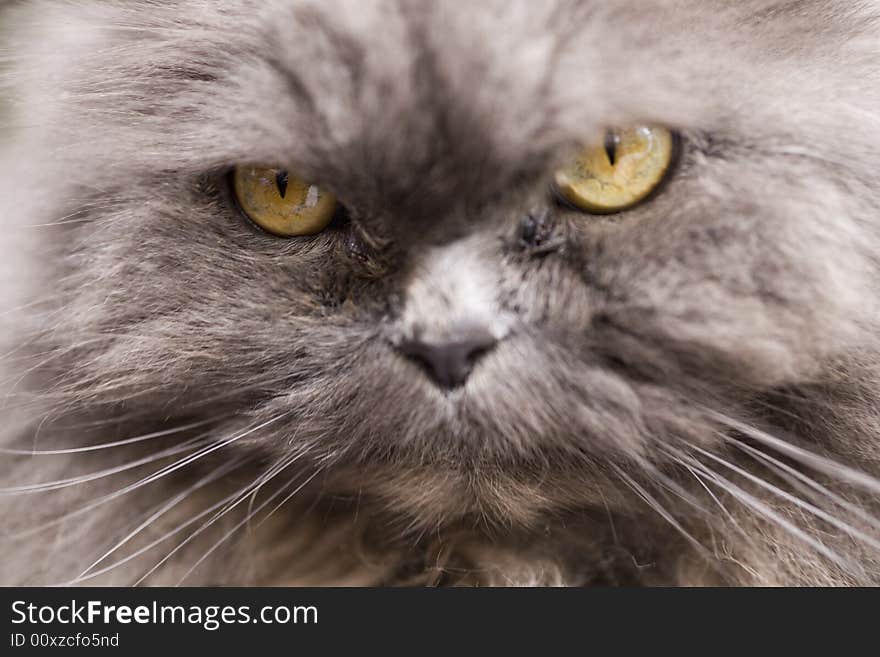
pixel 463 379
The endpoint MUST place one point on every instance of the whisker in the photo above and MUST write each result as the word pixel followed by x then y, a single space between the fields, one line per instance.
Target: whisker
pixel 237 498
pixel 165 536
pixel 142 482
pixel 671 485
pixel 164 508
pixel 100 474
pixel 730 517
pixel 801 504
pixel 286 499
pixel 822 464
pixel 764 510
pixel 117 443
pixel 247 518
pixel 256 491
pixel 656 506
pixel 807 482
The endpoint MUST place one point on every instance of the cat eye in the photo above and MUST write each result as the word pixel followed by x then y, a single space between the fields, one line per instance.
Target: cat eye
pixel 618 173
pixel 280 203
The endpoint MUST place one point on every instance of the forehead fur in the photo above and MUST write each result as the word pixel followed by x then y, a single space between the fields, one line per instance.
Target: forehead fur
pixel 322 85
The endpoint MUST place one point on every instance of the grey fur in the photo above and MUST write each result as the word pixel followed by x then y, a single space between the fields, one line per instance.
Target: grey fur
pixel 628 428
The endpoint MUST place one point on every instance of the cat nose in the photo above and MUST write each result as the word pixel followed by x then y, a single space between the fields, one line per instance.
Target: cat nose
pixel 449 361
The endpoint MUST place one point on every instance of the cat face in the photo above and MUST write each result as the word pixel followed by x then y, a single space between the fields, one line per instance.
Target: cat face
pixel 460 341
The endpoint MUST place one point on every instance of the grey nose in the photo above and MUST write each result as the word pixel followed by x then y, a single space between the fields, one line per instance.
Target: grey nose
pixel 449 362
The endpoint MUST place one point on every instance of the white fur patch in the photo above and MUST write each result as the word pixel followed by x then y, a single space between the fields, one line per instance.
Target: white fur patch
pixel 454 289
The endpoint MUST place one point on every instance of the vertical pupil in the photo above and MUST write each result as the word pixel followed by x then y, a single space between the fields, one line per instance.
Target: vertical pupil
pixel 281 182
pixel 611 141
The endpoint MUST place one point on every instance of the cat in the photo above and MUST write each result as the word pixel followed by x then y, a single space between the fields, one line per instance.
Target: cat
pixel 683 392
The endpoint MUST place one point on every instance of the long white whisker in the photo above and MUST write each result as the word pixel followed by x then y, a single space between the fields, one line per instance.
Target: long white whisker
pixel 804 479
pixel 822 464
pixel 237 498
pixel 247 518
pixel 785 495
pixel 142 482
pixel 656 506
pixel 286 499
pixel 671 485
pixel 763 509
pixel 117 443
pixel 164 508
pixel 730 517
pixel 166 536
pixel 100 474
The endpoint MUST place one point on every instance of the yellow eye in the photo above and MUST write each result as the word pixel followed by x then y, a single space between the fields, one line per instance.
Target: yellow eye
pixel 619 173
pixel 280 203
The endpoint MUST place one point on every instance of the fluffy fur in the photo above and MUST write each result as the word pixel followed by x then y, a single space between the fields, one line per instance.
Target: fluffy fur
pixel 684 394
